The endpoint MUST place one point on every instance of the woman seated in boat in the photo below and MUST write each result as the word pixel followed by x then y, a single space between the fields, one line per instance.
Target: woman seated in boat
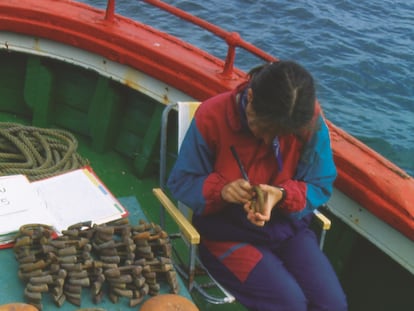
pixel 266 257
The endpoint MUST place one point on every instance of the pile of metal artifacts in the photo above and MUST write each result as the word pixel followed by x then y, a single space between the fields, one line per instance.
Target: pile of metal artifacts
pixel 117 258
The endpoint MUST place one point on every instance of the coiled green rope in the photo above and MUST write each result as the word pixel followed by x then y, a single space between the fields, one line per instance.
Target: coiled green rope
pixel 37 152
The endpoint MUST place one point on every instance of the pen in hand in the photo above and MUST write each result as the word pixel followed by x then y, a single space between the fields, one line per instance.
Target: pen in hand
pixel 236 156
pixel 257 203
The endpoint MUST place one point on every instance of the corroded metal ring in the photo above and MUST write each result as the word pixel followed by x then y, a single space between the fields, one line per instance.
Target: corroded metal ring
pixel 33 229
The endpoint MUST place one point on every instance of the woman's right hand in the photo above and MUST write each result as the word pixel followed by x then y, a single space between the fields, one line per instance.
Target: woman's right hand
pixel 238 191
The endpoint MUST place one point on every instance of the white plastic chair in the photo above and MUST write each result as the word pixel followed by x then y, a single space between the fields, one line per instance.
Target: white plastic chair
pixel 181 214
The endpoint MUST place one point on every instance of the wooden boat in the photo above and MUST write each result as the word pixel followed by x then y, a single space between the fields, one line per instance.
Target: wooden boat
pixel 107 78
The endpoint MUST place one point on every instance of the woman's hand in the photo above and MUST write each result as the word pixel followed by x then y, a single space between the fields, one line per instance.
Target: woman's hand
pixel 272 196
pixel 238 191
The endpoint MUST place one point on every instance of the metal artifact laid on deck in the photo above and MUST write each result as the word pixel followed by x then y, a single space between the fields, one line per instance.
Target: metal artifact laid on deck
pixel 117 258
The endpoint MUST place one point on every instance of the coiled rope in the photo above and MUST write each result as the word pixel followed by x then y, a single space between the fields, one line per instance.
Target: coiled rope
pixel 37 152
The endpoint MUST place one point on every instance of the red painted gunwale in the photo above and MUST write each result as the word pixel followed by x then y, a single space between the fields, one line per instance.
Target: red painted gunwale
pixel 364 175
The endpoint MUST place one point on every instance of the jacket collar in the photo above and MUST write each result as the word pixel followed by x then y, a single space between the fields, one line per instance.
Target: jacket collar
pixel 234 117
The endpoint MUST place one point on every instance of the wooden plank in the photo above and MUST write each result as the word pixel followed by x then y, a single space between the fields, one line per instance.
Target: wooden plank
pixel 149 145
pixel 13 68
pixel 103 115
pixel 38 91
pixel 185 226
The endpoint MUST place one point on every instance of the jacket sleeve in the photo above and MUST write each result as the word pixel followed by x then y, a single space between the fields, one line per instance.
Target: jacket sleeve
pixel 312 184
pixel 192 179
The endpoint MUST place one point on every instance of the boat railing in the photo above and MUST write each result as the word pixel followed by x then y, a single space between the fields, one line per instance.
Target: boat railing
pixel 233 39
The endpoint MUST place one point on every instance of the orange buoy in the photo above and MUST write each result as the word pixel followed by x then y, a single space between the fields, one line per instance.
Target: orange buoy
pixel 17 306
pixel 168 302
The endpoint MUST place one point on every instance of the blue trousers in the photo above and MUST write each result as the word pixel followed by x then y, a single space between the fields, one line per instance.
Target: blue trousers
pixel 296 276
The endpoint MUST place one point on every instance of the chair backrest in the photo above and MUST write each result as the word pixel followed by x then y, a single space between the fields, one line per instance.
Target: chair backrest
pixel 185 111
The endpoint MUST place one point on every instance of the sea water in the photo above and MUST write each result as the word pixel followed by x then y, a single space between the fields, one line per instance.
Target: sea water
pixel 360 53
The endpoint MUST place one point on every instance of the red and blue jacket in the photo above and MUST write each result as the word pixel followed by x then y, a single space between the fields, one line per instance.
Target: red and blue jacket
pixel 205 164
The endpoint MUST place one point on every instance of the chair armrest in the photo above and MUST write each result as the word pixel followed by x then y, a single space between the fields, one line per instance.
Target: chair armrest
pixel 322 220
pixel 183 223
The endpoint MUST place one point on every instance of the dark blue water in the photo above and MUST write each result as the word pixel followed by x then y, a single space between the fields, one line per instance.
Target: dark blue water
pixel 360 53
